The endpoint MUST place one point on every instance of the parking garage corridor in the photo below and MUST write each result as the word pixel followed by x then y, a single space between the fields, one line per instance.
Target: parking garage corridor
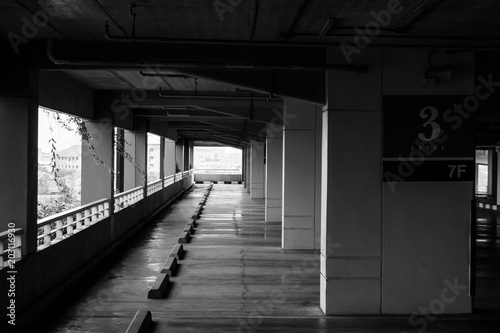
pixel 234 277
pixel 233 271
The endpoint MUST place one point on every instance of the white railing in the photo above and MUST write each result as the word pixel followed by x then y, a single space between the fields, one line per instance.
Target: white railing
pixel 57 227
pixel 218 171
pixel 169 180
pixel 10 246
pixel 128 198
pixel 154 186
pixel 178 177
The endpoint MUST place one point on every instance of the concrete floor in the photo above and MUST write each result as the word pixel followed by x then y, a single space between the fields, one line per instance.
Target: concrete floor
pixel 234 278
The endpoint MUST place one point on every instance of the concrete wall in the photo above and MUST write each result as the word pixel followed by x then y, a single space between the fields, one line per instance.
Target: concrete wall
pixel 217 177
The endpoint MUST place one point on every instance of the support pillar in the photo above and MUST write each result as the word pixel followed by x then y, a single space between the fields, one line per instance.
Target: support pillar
pixel 243 167
pixel 248 176
pixel 497 169
pixel 257 170
pixel 274 173
pixel 179 155
pixel 169 163
pixel 351 193
pixel 395 229
pixel 317 179
pixel 141 155
pixel 162 161
pixel 120 162
pixel 186 156
pixel 492 172
pixel 299 180
pixel 129 170
pixel 97 180
pixel 19 149
pixel 191 155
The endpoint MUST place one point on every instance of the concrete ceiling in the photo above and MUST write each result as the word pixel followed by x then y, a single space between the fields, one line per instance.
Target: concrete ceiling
pixel 264 20
pixel 190 40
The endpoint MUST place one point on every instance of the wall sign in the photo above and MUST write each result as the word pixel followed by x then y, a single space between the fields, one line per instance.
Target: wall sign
pixel 427 138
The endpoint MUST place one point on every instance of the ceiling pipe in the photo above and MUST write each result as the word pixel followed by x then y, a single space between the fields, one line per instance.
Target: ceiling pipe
pixel 292 44
pixel 404 36
pixel 220 96
pixel 203 64
pixel 127 39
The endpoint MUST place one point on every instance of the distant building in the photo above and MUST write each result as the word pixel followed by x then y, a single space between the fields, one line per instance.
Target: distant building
pixel 154 158
pixel 70 158
pixel 210 158
pixel 44 159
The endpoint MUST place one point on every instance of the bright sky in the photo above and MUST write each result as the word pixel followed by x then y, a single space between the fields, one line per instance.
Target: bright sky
pixel 64 139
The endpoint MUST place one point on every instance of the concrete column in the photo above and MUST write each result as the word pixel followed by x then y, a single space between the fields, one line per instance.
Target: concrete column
pixel 179 155
pixel 129 172
pixel 191 155
pixel 141 155
pixel 248 176
pixel 169 164
pixel 299 180
pixel 351 212
pixel 186 156
pixel 18 165
pixel 274 172
pixel 243 166
pixel 351 196
pixel 497 169
pixel 257 170
pixel 393 246
pixel 317 189
pixel 351 193
pixel 97 180
pixel 162 160
pixel 492 171
pixel 120 162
